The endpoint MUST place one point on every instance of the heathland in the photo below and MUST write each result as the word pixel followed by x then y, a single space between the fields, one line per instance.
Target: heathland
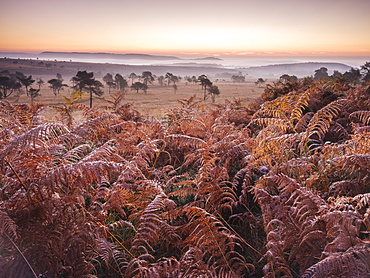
pixel 274 185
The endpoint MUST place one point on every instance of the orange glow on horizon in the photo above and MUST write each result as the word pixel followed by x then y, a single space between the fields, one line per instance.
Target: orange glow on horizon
pixel 265 28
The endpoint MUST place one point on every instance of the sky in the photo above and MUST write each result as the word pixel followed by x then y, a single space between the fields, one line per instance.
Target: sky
pixel 209 27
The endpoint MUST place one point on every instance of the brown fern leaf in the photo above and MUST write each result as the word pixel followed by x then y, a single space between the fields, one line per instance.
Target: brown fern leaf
pixel 213 185
pixel 115 101
pixel 151 226
pixel 96 129
pixel 281 124
pixel 81 176
pixel 276 262
pixel 179 141
pixel 321 121
pixel 361 116
pixel 218 244
pixel 190 102
pixel 346 188
pixel 115 198
pixel 27 115
pixel 8 131
pixel 75 154
pixel 166 268
pixel 127 113
pixel 139 267
pixel 106 152
pixel 336 133
pixel 355 262
pixel 362 200
pixel 286 184
pixel 112 257
pixel 343 228
pixel 283 148
pixel 298 209
pixel 8 231
pixel 358 144
pixel 300 106
pixel 276 108
pixel 188 126
pixel 39 137
pixel 303 122
pixel 357 163
pixel 362 130
pixel 299 169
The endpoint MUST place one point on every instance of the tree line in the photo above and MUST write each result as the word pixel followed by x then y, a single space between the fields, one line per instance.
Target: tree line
pixel 85 81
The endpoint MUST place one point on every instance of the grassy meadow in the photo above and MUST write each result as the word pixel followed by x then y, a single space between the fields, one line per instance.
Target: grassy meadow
pixel 157 100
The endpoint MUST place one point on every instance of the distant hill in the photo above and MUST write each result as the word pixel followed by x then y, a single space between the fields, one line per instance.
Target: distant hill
pixel 115 56
pixel 297 69
pixel 209 59
pixel 88 55
pixel 48 67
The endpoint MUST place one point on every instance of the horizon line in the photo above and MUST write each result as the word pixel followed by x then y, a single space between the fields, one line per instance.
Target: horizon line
pixel 200 53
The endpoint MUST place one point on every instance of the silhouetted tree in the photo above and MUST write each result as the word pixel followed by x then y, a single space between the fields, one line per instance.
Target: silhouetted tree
pixel 353 76
pixel 147 77
pixel 26 81
pixel 160 80
pixel 366 71
pixel 56 85
pixel 85 81
pixel 260 81
pixel 171 78
pixel 174 86
pixel 139 86
pixel 205 83
pixel 121 83
pixel 8 84
pixel 288 78
pixel 213 91
pixel 132 76
pixel 238 78
pixel 33 93
pixel 108 79
pixel 40 82
pixel 321 73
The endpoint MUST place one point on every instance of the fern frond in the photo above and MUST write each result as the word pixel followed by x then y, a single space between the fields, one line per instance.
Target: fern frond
pixel 7 225
pixel 81 176
pixel 188 126
pixel 276 108
pixel 300 106
pixel 321 121
pixel 302 123
pixel 361 116
pixel 362 200
pixel 41 136
pixel 282 124
pixel 218 244
pixel 151 226
pixel 355 262
pixel 96 128
pixel 106 152
pixel 76 154
pixel 177 140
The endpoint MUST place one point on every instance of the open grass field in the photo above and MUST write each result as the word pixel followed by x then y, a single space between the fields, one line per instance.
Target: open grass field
pixel 158 99
pixel 155 102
